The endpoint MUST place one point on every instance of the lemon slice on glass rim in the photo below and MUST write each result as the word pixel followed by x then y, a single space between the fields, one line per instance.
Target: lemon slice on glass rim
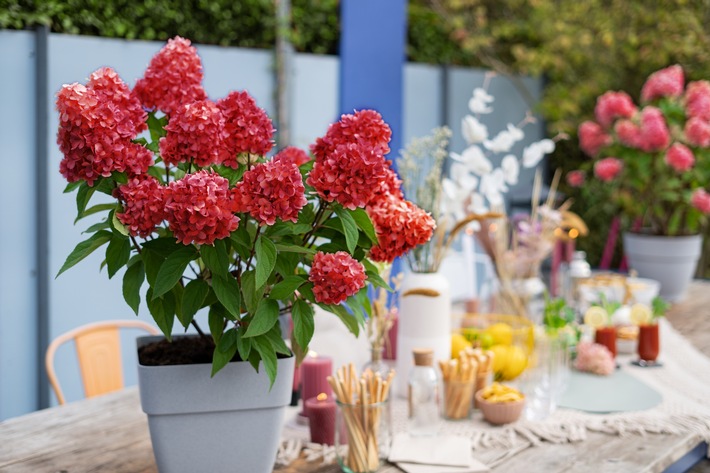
pixel 640 314
pixel 596 317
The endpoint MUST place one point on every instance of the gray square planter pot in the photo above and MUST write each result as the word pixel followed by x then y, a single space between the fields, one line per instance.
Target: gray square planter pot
pixel 230 423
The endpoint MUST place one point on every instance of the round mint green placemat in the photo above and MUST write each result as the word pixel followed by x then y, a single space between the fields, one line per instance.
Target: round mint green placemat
pixel 618 392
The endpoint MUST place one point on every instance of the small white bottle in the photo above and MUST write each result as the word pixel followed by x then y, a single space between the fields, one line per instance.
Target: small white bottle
pixel 579 271
pixel 423 394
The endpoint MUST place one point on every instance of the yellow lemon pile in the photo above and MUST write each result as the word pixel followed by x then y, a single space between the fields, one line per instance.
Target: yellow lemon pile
pixel 497 392
pixel 509 360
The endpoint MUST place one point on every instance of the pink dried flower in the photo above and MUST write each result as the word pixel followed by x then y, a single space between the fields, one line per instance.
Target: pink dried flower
pixel 697 132
pixel 293 155
pixel 654 131
pixel 199 208
pixel 592 138
pixel 195 133
pixel 697 100
pixel 143 200
pixel 271 190
pixel 364 127
pixel 594 358
pixel 335 277
pixel 613 105
pixel 400 226
pixel 248 128
pixel 607 169
pixel 575 178
pixel 629 133
pixel 701 200
pixel 668 82
pixel 680 157
pixel 350 175
pixel 173 77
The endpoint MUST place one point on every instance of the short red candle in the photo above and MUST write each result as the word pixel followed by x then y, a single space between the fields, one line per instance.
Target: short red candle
pixel 321 419
pixel 648 346
pixel 315 370
pixel 606 336
pixel 390 351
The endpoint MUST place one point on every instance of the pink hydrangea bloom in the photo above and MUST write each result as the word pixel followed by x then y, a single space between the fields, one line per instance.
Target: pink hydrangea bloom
pixel 110 88
pixel 248 128
pixel 575 178
pixel 594 358
pixel 680 157
pixel 195 132
pixel 271 190
pixel 701 200
pixel 668 82
pixel 697 100
pixel 654 131
pixel 199 208
pixel 350 175
pixel 607 169
pixel 592 138
pixel 364 127
pixel 293 155
pixel 400 226
pixel 335 277
pixel 697 132
pixel 143 200
pixel 629 133
pixel 613 105
pixel 173 77
pixel 96 128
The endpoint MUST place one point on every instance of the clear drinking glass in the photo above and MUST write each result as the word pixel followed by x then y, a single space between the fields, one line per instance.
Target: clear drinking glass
pixel 547 376
pixel 363 436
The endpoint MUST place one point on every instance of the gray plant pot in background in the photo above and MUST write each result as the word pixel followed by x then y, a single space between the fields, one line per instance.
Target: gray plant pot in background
pixel 669 260
pixel 229 423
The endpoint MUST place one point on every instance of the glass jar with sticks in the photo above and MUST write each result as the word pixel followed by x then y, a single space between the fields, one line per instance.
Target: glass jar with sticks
pixel 363 419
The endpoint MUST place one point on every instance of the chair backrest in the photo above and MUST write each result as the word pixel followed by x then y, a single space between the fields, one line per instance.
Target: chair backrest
pixel 98 349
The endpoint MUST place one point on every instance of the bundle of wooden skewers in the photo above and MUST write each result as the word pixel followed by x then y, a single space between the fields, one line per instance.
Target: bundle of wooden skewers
pixel 361 403
pixel 462 378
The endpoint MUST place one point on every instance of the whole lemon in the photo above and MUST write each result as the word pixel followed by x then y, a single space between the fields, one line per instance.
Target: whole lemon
pixel 516 362
pixel 458 343
pixel 500 359
pixel 501 333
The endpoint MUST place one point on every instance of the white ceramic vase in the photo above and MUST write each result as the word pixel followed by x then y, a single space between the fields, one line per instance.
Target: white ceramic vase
pixel 424 322
pixel 669 260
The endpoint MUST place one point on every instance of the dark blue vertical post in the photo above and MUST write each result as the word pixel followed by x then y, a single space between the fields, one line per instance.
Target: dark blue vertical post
pixel 372 56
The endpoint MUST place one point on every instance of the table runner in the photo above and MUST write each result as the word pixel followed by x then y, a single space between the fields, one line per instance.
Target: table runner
pixel 683 381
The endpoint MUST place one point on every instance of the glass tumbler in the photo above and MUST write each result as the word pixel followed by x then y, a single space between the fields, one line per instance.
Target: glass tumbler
pixel 547 376
pixel 648 344
pixel 362 436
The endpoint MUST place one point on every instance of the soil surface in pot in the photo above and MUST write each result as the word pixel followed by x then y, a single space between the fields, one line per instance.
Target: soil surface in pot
pixel 181 351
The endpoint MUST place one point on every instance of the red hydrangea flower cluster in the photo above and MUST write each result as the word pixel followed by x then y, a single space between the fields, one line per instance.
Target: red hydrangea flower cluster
pixel 195 132
pixel 592 138
pixel 292 154
pixel 365 127
pixel 607 169
pixel 613 105
pixel 701 201
pixel 143 201
pixel 697 100
pixel 575 178
pixel 668 82
pixel 697 132
pixel 96 125
pixel 400 226
pixel 173 78
pixel 248 128
pixel 199 208
pixel 654 131
pixel 335 277
pixel 271 190
pixel 680 157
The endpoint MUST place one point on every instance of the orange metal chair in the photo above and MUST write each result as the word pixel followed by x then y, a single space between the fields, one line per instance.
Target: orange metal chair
pixel 98 348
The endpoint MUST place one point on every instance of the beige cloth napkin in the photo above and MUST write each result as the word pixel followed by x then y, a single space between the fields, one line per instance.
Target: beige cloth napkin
pixel 434 454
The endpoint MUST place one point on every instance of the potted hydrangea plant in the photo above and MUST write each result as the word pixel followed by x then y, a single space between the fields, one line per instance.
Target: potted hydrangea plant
pixel 653 161
pixel 200 213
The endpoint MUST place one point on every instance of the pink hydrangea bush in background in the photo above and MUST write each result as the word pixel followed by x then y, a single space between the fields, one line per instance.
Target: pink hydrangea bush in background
pixel 653 159
pixel 208 220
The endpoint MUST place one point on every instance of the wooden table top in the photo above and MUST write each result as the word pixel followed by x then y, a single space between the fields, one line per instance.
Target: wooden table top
pixel 110 434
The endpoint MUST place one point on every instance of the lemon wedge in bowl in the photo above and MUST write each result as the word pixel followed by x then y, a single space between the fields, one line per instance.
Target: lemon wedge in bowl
pixel 640 314
pixel 596 317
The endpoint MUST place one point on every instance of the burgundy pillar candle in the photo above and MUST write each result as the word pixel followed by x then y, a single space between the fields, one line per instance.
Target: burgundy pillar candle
pixel 315 370
pixel 321 419
pixel 390 351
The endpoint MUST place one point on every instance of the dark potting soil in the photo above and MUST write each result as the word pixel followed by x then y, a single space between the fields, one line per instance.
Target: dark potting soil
pixel 181 351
